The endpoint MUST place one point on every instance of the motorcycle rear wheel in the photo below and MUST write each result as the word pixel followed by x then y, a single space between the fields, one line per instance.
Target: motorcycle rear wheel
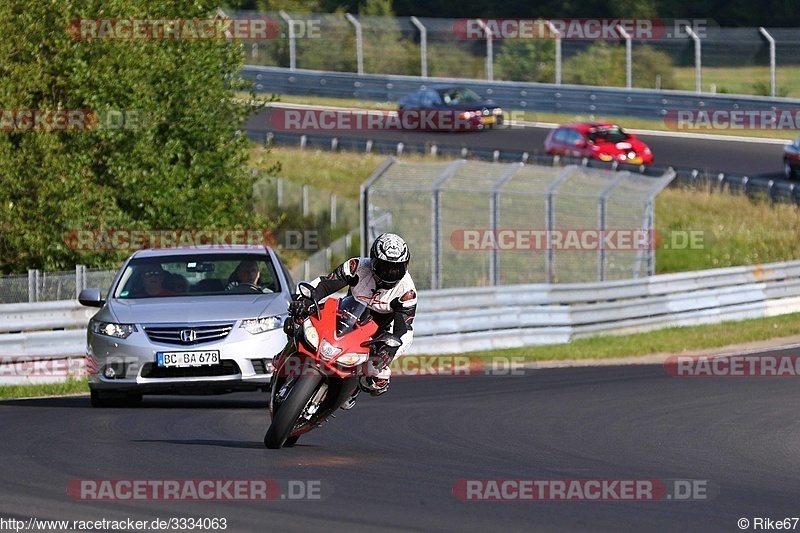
pixel 290 410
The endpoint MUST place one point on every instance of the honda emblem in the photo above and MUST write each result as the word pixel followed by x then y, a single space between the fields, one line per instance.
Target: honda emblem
pixel 188 335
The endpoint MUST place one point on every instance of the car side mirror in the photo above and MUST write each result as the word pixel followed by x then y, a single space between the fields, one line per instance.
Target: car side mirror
pixel 91 298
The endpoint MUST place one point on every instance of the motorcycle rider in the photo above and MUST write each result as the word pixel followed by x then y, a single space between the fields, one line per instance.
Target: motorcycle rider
pixel 382 283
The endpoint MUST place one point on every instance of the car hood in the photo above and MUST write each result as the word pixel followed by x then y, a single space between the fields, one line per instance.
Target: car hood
pixel 622 147
pixel 183 309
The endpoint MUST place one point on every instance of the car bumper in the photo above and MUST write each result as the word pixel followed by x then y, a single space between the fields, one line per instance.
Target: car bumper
pixel 245 365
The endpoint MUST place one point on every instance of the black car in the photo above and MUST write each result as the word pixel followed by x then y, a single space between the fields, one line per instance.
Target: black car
pixel 448 107
pixel 791 159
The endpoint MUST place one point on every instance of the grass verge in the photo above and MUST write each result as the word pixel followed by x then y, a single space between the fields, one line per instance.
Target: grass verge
pixel 72 386
pixel 670 340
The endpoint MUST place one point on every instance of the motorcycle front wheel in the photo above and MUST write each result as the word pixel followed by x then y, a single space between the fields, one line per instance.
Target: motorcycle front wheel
pixel 289 411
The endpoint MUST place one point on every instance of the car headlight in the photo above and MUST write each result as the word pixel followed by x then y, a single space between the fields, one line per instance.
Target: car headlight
pixel 110 329
pixel 254 326
pixel 310 333
pixel 466 115
pixel 497 111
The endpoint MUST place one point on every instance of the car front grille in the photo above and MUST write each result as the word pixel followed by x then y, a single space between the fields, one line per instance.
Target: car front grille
pixel 226 368
pixel 188 335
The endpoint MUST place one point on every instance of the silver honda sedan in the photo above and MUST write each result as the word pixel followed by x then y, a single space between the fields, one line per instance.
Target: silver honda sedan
pixel 187 321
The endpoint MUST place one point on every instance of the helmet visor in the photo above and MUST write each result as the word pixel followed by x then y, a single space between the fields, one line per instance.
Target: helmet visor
pixel 388 272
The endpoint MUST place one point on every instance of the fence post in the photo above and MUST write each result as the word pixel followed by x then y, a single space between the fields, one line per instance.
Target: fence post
pixel 771 59
pixel 697 58
pixel 628 56
pixel 489 51
pixel 292 45
pixel 333 210
pixel 305 200
pixel 557 33
pixel 33 285
pixel 423 46
pixel 359 43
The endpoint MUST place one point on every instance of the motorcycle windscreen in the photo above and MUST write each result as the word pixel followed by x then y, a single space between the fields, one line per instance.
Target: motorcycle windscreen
pixel 350 314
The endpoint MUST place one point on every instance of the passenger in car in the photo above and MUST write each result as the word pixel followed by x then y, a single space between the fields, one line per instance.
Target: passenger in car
pixel 177 283
pixel 153 282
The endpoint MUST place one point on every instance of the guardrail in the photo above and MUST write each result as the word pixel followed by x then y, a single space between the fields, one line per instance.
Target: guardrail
pixel 463 320
pixel 542 97
pixel 776 190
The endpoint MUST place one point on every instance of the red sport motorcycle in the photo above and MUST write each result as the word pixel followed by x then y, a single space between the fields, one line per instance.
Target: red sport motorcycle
pixel 318 370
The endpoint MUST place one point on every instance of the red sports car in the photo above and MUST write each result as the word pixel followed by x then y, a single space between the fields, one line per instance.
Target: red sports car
pixel 598 140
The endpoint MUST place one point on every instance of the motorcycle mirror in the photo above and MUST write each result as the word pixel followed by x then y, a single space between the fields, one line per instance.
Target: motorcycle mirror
pixel 392 341
pixel 305 290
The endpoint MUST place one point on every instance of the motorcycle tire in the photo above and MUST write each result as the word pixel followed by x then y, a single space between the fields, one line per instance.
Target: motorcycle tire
pixel 290 409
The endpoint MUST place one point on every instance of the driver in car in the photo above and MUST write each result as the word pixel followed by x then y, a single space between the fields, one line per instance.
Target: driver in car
pixel 246 274
pixel 382 283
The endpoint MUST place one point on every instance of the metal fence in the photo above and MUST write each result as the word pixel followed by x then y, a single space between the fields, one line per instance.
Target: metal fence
pixel 475 223
pixel 276 194
pixel 325 260
pixel 39 286
pixel 526 96
pixel 698 50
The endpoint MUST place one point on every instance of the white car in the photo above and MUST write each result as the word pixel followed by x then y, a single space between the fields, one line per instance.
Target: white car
pixel 187 321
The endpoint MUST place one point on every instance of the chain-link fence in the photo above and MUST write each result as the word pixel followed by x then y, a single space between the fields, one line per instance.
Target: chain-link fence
pixel 324 261
pixel 38 286
pixel 472 223
pixel 663 53
pixel 275 195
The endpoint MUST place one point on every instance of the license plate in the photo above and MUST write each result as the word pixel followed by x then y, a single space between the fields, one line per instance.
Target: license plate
pixel 635 161
pixel 187 358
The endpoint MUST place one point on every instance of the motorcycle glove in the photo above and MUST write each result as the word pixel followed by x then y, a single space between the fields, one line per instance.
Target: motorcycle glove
pixel 301 308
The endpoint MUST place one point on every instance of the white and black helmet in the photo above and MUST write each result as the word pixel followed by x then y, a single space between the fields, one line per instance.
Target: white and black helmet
pixel 390 256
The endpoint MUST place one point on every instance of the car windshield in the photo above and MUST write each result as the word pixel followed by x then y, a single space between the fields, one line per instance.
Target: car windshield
pixel 197 274
pixel 611 134
pixel 459 95
pixel 350 313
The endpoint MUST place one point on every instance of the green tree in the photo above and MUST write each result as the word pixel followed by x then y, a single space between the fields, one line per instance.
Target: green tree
pixel 604 64
pixel 182 166
pixel 527 60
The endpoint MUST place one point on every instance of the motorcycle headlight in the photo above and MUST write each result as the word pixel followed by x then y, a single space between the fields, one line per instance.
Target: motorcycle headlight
pixel 328 350
pixel 310 333
pixel 353 359
pixel 254 326
pixel 110 329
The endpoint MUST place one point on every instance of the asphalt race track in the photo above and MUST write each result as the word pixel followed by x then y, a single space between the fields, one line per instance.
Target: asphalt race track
pixel 391 463
pixel 737 157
